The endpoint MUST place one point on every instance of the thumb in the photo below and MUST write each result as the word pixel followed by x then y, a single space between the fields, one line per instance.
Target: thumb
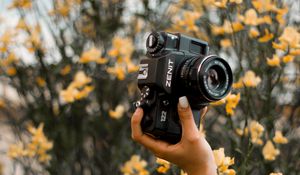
pixel 189 127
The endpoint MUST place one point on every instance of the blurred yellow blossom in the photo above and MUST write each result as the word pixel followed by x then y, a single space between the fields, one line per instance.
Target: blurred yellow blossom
pixel 221 3
pixel 253 33
pixel 118 71
pixel 227 27
pixel 118 112
pixel 242 132
pixel 288 58
pixel 225 43
pixel 250 17
pixel 86 90
pixel 65 70
pixel 250 80
pixel 219 102
pixel 40 81
pixel 281 46
pixel 267 37
pixel 77 89
pixel 21 4
pixel 295 52
pixel 291 36
pixel 38 146
pixel 163 167
pixel 22 24
pixel 275 61
pixel 269 151
pixel 256 131
pixel 121 48
pixel 263 5
pixel 92 55
pixel 223 162
pixel 135 166
pixel 279 138
pixel 11 71
pixel 16 150
pixel 188 21
pixel 232 101
pixel 81 79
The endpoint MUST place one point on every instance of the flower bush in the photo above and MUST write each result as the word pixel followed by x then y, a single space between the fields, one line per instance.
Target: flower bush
pixel 72 67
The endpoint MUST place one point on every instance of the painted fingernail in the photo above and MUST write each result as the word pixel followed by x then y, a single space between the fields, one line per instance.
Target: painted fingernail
pixel 183 102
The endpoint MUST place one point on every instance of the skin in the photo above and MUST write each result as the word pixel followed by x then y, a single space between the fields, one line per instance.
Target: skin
pixel 193 153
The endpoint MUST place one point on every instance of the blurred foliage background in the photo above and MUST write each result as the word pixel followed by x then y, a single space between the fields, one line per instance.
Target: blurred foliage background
pixel 68 79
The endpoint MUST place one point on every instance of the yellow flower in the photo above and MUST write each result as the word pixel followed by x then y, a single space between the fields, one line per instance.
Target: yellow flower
pixel 232 102
pixel 291 36
pixel 253 33
pixel 256 131
pixel 267 37
pixel 275 174
pixel 69 94
pixel 221 3
pixel 241 132
pixel 121 48
pixel 164 165
pixel 40 81
pixel 225 43
pixel 188 21
pixel 92 55
pixel 81 79
pixel 236 1
pixel 295 52
pixel 288 58
pixel 275 61
pixel 118 71
pixel 251 17
pixel 239 84
pixel 15 151
pixel 279 138
pixel 282 45
pixel 135 166
pixel 22 24
pixel 263 5
pixel 65 70
pixel 84 92
pixel 21 4
pixel 118 112
pixel 269 151
pixel 250 80
pixel 219 102
pixel 223 162
pixel 11 71
pixel 227 27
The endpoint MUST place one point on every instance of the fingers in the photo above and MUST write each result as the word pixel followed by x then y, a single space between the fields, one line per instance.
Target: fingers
pixel 159 148
pixel 202 115
pixel 189 128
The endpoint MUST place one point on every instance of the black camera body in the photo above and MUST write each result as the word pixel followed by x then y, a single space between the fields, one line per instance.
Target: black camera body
pixel 176 66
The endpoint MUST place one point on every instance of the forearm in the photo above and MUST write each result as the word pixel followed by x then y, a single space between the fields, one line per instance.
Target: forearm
pixel 210 169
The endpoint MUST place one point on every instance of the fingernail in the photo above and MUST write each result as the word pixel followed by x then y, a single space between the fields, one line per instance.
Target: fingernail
pixel 183 102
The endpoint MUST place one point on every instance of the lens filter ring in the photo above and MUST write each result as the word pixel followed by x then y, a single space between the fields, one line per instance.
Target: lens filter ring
pixel 214 77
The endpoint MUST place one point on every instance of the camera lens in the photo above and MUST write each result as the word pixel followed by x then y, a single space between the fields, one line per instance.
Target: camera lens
pixel 212 79
pixel 206 77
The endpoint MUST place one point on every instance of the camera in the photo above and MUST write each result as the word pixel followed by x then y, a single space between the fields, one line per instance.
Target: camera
pixel 178 65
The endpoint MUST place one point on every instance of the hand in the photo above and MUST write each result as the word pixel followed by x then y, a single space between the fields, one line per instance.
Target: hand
pixel 193 154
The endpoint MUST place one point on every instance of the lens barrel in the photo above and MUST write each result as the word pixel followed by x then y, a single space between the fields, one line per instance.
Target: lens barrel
pixel 207 77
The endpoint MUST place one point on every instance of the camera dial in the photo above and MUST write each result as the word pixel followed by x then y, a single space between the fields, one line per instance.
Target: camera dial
pixel 155 42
